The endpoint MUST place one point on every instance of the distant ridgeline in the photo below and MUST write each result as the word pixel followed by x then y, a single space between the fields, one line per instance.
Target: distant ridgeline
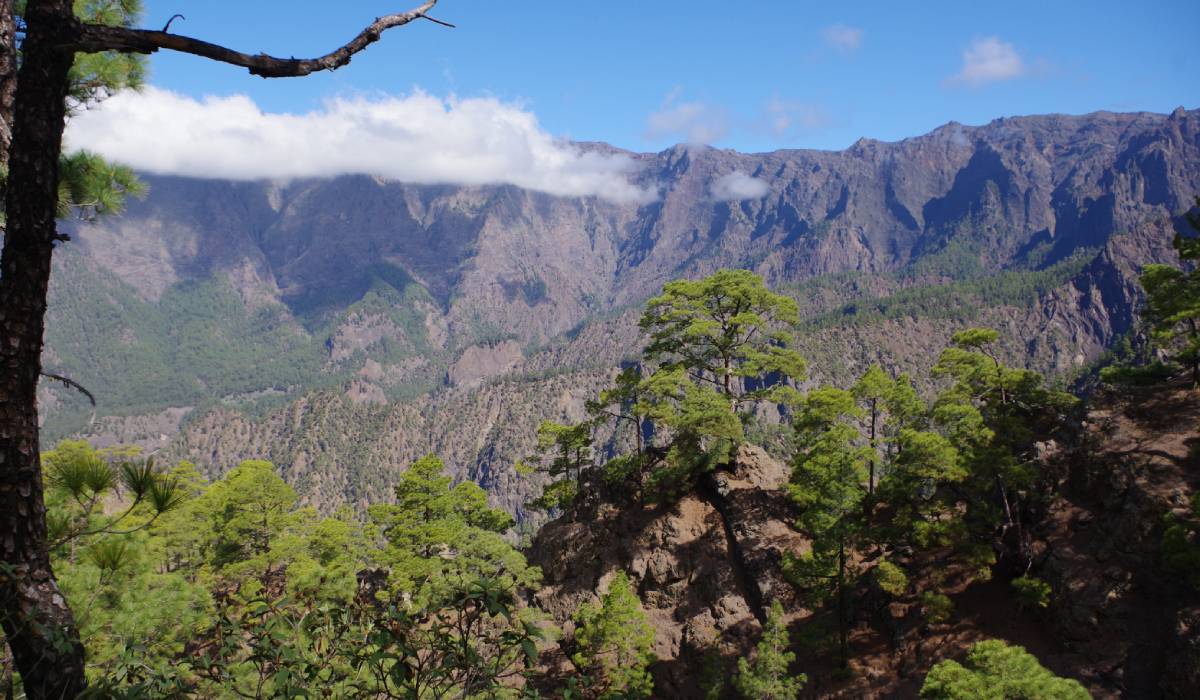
pixel 342 327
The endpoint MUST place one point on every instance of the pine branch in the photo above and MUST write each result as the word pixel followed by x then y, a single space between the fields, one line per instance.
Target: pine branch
pixel 93 38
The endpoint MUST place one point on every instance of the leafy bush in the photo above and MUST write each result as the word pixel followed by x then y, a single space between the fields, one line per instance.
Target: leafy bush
pixel 994 670
pixel 1031 592
pixel 891 578
pixel 1181 544
pixel 937 607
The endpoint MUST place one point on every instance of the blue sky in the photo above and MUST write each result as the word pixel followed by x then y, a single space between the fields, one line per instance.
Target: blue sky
pixel 498 99
pixel 750 75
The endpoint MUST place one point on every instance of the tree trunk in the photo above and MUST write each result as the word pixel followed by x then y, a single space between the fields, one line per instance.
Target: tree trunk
pixel 36 620
pixel 874 452
pixel 728 383
pixel 843 632
pixel 8 82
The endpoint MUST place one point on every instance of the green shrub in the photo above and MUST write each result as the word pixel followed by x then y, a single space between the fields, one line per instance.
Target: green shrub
pixel 1031 592
pixel 936 607
pixel 994 670
pixel 891 578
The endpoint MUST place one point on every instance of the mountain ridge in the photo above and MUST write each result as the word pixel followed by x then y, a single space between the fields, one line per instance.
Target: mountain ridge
pixel 261 299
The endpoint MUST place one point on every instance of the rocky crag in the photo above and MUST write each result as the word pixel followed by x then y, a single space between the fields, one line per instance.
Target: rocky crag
pixel 707 565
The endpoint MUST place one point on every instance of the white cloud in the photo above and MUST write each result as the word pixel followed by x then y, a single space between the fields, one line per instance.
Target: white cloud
pixel 843 37
pixel 987 60
pixel 414 138
pixel 695 123
pixel 737 186
pixel 784 117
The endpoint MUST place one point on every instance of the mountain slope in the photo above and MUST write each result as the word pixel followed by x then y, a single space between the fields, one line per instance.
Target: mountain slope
pixel 338 305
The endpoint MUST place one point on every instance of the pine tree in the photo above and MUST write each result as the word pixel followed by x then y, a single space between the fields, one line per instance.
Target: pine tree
pixel 767 677
pixel 873 390
pixel 438 535
pixel 249 509
pixel 716 345
pixel 563 453
pixel 994 670
pixel 724 330
pixel 827 485
pixel 615 643
pixel 1173 303
pixel 995 416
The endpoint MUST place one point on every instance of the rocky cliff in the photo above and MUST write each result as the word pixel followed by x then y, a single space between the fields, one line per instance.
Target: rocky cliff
pixel 706 566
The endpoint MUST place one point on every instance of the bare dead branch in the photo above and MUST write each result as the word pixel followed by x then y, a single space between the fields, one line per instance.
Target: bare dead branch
pixel 71 384
pixel 93 38
pixel 167 26
pixel 447 24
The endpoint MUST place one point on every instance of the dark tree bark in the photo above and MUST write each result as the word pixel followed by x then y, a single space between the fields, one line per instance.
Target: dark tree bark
pixel 36 620
pixel 8 80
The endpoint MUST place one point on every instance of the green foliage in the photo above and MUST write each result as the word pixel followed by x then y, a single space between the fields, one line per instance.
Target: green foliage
pixel 1181 544
pixel 438 536
pixel 700 430
pixel 936 607
pixel 89 186
pixel 235 590
pixel 767 677
pixel 1172 314
pixel 563 452
pixel 249 510
pixel 993 416
pixel 829 469
pixel 963 300
pixel 96 76
pixel 925 462
pixel 827 485
pixel 994 670
pixel 725 327
pixel 716 346
pixel 1173 311
pixel 1143 375
pixel 1031 592
pixel 84 483
pixel 614 644
pixel 102 508
pixel 890 578
pixel 199 341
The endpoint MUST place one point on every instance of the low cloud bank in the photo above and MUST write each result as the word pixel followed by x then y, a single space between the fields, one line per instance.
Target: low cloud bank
pixel 416 138
pixel 737 186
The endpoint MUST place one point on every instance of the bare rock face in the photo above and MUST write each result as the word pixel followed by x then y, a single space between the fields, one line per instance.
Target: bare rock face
pixel 1136 626
pixel 479 362
pixel 705 566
